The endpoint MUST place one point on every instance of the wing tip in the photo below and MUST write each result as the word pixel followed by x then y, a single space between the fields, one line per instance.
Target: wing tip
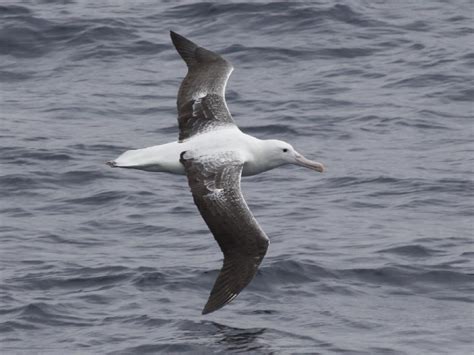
pixel 176 37
pixel 206 311
pixel 193 54
pixel 185 47
pixel 211 307
pixel 213 304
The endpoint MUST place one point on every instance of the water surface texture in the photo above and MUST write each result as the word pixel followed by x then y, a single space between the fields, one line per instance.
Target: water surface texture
pixel 372 257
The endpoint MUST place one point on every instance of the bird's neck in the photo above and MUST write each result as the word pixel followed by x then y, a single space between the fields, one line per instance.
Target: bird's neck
pixel 261 158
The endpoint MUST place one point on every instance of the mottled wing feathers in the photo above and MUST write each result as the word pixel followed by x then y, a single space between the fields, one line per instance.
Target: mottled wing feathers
pixel 202 115
pixel 215 185
pixel 206 78
pixel 207 71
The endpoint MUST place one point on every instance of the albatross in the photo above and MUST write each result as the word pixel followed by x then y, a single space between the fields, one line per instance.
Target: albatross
pixel 214 153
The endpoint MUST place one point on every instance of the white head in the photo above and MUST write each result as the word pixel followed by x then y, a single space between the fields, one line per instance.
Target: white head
pixel 279 153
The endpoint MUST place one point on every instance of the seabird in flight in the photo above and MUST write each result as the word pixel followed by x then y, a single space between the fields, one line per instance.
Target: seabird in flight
pixel 213 153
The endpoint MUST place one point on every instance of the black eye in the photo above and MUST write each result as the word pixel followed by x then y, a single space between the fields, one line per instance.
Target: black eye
pixel 285 150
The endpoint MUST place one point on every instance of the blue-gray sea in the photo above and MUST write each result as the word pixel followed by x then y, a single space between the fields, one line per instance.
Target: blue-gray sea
pixel 375 256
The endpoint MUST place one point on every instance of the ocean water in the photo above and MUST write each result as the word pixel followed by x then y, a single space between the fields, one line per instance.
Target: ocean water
pixel 374 256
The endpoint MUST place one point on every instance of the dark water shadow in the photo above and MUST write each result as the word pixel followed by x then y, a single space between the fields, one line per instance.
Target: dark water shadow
pixel 238 339
pixel 229 339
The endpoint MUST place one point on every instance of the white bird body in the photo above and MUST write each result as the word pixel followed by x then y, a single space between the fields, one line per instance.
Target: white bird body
pixel 256 154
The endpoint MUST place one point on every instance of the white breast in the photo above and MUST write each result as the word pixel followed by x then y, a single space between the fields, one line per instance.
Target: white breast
pixel 165 157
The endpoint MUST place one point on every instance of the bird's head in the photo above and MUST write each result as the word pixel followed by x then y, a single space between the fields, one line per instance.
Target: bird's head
pixel 281 153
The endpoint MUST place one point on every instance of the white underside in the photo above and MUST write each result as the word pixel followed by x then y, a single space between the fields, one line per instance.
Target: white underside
pixel 165 157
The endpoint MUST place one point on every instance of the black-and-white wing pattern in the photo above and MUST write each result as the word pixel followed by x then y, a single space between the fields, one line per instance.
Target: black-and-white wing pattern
pixel 215 185
pixel 201 97
pixel 203 115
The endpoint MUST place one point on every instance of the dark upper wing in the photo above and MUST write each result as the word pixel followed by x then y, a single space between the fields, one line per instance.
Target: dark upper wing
pixel 201 97
pixel 215 185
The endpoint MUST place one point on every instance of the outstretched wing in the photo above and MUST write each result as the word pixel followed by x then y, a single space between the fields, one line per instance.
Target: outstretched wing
pixel 215 185
pixel 201 97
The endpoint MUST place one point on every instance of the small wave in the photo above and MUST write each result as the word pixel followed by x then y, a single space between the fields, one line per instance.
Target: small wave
pixel 345 52
pixel 77 278
pixel 462 95
pixel 293 272
pixel 16 212
pixel 13 325
pixel 246 54
pixel 402 186
pixel 13 154
pixel 104 32
pixel 98 147
pixel 285 15
pixel 98 198
pixel 271 129
pixel 106 41
pixel 137 319
pixel 80 177
pixel 6 11
pixel 425 80
pixel 345 181
pixel 416 279
pixel 8 77
pixel 22 42
pixel 57 239
pixel 347 14
pixel 30 36
pixel 421 123
pixel 411 278
pixel 48 155
pixel 44 314
pixel 144 47
pixel 149 280
pixel 23 34
pixel 18 184
pixel 414 250
pixel 164 348
pixel 205 9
